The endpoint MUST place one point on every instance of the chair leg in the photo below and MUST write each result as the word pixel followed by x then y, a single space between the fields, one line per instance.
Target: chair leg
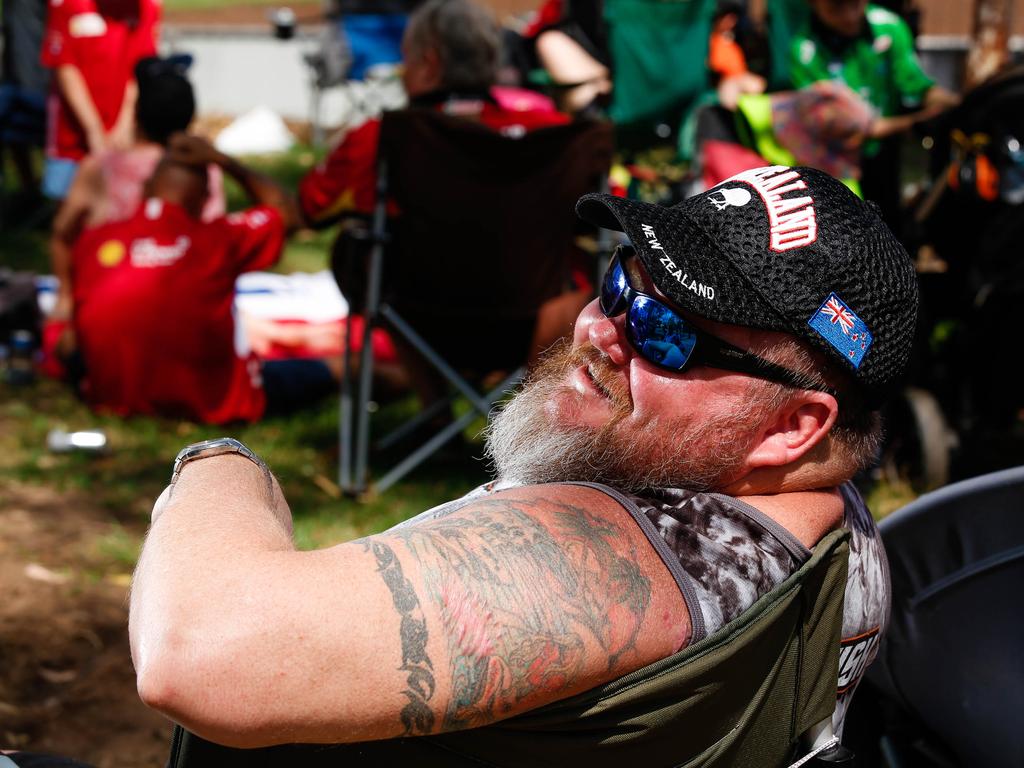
pixel 362 416
pixel 401 432
pixel 436 360
pixel 417 457
pixel 345 415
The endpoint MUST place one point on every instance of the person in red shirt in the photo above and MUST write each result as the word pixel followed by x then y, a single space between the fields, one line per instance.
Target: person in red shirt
pixel 154 294
pixel 92 47
pixel 108 185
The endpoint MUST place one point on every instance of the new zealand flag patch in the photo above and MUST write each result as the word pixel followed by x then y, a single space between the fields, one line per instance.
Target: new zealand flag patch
pixel 840 327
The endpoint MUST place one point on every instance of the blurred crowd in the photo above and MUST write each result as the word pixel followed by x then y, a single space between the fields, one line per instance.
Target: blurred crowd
pixel 146 256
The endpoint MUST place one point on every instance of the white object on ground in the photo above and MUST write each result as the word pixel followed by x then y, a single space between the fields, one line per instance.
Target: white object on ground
pixel 259 131
pixel 312 297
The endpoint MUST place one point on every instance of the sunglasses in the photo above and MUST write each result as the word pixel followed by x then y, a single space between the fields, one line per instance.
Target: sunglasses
pixel 666 339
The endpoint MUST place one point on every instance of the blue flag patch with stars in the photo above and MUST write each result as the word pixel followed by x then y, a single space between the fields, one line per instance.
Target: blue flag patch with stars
pixel 839 326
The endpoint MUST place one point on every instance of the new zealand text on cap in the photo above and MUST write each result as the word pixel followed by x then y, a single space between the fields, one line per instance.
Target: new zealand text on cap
pixel 783 249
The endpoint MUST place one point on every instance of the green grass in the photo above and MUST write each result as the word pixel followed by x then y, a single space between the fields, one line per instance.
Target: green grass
pixel 126 479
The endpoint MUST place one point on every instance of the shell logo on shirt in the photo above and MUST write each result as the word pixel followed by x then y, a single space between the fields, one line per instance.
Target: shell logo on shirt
pixel 111 253
pixel 87 25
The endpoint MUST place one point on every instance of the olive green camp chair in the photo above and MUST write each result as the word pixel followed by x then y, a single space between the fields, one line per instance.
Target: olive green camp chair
pixel 758 693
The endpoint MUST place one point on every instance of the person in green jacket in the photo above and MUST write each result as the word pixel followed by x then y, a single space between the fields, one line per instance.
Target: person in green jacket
pixel 871 50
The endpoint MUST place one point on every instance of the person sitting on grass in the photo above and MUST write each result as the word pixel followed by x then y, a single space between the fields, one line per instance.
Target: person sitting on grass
pixel 657 476
pixel 153 300
pixel 108 185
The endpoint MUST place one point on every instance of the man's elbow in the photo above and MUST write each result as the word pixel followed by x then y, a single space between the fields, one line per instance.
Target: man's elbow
pixel 168 672
pixel 159 687
pixel 206 693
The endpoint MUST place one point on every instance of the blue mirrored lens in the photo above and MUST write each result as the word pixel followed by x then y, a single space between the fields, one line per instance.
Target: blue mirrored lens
pixel 659 334
pixel 612 288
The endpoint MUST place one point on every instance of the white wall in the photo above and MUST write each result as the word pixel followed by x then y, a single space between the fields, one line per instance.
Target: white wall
pixel 238 69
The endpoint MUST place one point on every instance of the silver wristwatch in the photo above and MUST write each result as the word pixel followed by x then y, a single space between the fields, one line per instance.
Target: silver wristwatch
pixel 216 447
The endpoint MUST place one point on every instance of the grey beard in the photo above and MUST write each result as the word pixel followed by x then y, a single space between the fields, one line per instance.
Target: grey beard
pixel 525 448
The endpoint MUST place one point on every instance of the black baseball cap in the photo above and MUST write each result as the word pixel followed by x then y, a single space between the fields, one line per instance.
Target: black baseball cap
pixel 782 249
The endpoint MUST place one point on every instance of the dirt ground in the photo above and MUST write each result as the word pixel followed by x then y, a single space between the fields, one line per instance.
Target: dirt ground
pixel 67 685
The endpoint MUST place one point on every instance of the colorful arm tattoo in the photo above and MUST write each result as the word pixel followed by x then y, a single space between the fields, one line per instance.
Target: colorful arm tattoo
pixel 524 606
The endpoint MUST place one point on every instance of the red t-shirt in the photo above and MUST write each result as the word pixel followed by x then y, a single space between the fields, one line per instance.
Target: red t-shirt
pixel 105 51
pixel 153 312
pixel 346 180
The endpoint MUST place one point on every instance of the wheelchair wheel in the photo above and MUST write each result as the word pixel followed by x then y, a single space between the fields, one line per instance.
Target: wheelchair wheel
pixel 919 441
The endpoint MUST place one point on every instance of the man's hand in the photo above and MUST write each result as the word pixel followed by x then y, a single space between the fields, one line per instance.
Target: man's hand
pixel 731 88
pixel 64 307
pixel 121 136
pixel 96 140
pixel 938 99
pixel 261 189
pixel 193 150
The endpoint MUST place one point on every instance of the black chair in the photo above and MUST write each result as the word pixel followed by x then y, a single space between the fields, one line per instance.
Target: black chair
pixel 485 238
pixel 950 671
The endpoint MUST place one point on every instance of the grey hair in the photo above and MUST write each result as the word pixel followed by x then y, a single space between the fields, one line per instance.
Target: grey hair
pixel 464 35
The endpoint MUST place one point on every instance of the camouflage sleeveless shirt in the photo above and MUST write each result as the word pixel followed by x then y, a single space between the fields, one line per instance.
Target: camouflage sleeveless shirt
pixel 724 554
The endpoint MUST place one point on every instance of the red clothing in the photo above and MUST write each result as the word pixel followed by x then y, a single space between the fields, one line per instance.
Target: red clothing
pixel 153 312
pixel 346 179
pixel 105 50
pixel 548 15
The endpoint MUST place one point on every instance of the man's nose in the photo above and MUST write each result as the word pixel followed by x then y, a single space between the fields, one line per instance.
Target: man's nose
pixel 608 335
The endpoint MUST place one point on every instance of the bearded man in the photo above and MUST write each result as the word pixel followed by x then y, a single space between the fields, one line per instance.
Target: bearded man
pixel 674 463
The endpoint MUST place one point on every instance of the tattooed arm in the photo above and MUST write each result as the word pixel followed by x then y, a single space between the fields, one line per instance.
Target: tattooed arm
pixel 513 601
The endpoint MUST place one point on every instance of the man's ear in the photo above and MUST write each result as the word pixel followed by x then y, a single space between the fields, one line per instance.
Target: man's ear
pixel 433 70
pixel 424 71
pixel 795 430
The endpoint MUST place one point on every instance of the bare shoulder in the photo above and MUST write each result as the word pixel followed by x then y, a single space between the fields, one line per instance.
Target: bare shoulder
pixel 535 594
pixel 808 515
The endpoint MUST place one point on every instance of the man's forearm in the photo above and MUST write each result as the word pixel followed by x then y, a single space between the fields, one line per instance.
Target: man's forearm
pixel 60 262
pixel 123 130
pixel 76 93
pixel 208 529
pixel 246 641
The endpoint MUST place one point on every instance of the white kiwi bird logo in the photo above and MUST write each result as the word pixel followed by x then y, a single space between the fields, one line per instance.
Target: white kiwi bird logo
pixel 734 196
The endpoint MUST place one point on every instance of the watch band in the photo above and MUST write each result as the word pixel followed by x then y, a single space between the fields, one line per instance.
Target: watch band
pixel 216 447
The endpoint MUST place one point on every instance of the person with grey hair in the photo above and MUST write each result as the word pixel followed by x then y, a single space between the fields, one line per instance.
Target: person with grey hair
pixel 678 461
pixel 457 42
pixel 451 52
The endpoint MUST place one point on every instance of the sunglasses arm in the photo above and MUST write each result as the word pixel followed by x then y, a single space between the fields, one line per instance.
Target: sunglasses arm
pixel 719 354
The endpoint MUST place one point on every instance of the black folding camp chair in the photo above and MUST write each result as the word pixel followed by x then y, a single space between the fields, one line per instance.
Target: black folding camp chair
pixel 484 238
pixel 950 671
